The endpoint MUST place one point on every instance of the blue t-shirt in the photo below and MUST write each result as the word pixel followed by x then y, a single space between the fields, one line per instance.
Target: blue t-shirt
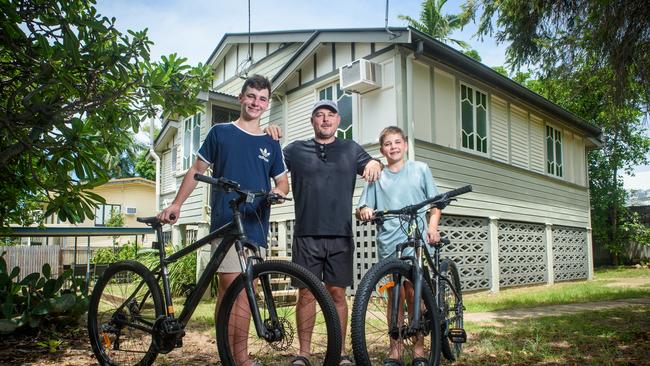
pixel 410 185
pixel 251 160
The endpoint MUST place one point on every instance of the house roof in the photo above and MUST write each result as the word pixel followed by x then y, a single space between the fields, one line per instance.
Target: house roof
pixel 408 37
pixel 131 180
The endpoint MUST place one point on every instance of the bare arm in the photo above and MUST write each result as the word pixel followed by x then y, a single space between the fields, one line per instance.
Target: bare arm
pixel 433 235
pixel 184 191
pixel 281 185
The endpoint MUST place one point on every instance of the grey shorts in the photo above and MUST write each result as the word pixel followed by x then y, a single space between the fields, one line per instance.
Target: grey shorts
pixel 230 263
pixel 330 258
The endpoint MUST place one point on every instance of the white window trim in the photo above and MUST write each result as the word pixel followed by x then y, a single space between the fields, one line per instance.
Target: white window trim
pixel 562 152
pixel 488 135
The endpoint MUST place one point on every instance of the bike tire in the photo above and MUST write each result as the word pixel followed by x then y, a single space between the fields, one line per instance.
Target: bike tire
pixel 125 298
pixel 452 311
pixel 326 339
pixel 370 336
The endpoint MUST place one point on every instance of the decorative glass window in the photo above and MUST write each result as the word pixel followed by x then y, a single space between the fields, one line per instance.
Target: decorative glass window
pixel 344 101
pixel 191 139
pixel 554 151
pixel 103 213
pixel 473 119
pixel 223 115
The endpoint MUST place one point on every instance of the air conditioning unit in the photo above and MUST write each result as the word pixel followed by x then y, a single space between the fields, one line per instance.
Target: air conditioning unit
pixel 131 210
pixel 360 76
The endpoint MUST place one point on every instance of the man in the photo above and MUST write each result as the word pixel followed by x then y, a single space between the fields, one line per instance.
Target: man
pixel 323 175
pixel 242 152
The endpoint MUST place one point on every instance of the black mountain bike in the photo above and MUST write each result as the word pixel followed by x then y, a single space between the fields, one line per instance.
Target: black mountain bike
pixel 383 320
pixel 131 321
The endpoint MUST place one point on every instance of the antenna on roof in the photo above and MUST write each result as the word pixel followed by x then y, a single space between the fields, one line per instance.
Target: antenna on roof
pixel 393 34
pixel 246 64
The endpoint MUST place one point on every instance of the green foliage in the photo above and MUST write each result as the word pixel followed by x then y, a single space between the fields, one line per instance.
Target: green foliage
pixel 124 252
pixel 38 298
pixel 434 23
pixel 74 90
pixel 145 167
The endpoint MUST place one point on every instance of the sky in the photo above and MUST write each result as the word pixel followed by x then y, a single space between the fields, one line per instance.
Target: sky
pixel 193 28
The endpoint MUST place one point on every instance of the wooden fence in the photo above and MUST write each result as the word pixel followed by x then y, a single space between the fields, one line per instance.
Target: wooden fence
pixel 30 259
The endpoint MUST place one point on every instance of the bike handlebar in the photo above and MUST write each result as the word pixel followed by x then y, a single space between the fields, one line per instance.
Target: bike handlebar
pixel 232 186
pixel 440 201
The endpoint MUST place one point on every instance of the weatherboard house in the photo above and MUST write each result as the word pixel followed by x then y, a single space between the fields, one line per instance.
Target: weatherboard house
pixel 527 220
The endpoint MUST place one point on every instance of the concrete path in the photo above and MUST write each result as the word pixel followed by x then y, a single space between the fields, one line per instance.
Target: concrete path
pixel 551 310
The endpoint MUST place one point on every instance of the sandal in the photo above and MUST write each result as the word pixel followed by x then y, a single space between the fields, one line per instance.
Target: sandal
pixel 393 362
pixel 346 361
pixel 420 361
pixel 295 361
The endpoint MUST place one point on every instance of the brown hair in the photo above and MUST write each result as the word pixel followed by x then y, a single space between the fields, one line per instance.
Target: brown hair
pixel 388 131
pixel 258 82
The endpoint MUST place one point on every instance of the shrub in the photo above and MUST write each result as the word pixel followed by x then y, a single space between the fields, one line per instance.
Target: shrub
pixel 38 298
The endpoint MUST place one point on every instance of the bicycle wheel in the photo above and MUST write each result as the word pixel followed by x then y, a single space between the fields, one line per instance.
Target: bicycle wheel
pixel 452 308
pixel 237 339
pixel 124 305
pixel 372 341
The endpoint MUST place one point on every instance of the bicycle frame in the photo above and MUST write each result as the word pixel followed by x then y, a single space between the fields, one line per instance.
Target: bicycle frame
pixel 233 233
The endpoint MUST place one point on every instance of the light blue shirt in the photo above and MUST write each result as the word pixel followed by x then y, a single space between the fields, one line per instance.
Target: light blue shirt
pixel 412 184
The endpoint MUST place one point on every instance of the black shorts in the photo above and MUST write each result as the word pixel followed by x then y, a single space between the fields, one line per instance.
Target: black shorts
pixel 328 257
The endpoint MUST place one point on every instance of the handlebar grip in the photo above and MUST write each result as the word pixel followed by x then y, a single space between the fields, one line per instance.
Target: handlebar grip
pixel 205 178
pixel 459 191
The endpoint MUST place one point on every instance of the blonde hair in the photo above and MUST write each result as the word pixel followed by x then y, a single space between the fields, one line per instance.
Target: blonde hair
pixel 389 131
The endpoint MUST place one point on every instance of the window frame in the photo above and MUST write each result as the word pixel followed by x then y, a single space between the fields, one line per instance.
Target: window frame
pixel 191 139
pixel 103 212
pixel 558 169
pixel 474 133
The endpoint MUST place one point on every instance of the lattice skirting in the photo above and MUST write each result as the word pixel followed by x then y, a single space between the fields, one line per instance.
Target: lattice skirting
pixel 522 254
pixel 570 253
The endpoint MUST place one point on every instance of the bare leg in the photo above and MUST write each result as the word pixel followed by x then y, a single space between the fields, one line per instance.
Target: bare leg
pixel 395 344
pixel 306 318
pixel 239 320
pixel 341 304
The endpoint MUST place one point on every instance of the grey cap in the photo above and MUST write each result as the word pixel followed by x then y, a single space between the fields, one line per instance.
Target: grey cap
pixel 325 103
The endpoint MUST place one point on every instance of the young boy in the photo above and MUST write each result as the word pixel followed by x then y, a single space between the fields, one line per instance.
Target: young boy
pixel 242 152
pixel 401 183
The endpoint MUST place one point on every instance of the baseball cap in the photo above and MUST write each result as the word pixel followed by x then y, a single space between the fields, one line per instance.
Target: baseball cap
pixel 325 103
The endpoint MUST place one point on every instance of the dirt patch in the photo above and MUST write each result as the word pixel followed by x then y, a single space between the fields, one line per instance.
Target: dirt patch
pixel 198 349
pixel 630 282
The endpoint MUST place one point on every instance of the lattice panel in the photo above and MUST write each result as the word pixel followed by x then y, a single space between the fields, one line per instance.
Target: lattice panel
pixel 290 225
pixel 469 248
pixel 570 253
pixel 273 232
pixel 365 253
pixel 522 254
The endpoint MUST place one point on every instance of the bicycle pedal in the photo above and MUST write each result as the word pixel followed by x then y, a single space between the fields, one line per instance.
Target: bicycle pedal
pixel 457 335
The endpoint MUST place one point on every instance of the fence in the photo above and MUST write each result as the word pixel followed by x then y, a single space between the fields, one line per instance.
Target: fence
pixel 490 253
pixel 31 259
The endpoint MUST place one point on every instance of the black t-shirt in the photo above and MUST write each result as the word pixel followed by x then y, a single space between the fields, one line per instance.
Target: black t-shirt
pixel 322 181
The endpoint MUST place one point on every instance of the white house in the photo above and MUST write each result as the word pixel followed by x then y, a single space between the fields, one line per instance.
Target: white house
pixel 527 220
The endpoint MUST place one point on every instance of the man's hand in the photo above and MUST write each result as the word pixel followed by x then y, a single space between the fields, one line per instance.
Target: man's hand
pixel 365 214
pixel 170 215
pixel 433 235
pixel 274 131
pixel 279 193
pixel 372 171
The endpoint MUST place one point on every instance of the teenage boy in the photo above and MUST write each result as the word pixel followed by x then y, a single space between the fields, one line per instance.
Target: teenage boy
pixel 400 184
pixel 242 152
pixel 323 174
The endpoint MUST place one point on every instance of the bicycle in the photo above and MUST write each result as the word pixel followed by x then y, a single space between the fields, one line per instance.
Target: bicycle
pixel 131 320
pixel 435 316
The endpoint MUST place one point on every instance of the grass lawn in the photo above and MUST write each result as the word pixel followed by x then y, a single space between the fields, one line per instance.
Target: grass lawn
pixel 608 284
pixel 610 337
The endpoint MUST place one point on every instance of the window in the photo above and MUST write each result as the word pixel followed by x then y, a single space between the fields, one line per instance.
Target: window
pixel 191 139
pixel 554 151
pixel 344 101
pixel 223 115
pixel 103 213
pixel 473 119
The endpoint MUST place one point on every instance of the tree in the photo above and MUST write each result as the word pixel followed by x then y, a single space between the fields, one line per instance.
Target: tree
pixel 73 89
pixel 144 167
pixel 437 25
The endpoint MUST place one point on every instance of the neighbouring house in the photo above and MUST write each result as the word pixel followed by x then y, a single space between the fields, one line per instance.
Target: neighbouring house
pixel 131 197
pixel 527 220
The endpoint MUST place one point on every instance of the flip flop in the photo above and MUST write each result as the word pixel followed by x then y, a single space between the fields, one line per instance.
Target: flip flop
pixel 420 361
pixel 295 361
pixel 393 362
pixel 346 361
